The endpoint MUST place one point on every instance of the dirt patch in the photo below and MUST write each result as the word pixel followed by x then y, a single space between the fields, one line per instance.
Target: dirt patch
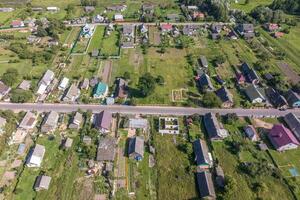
pixel 86 190
pixel 289 72
pixel 16 163
pixel 136 59
pixel 7 177
pixel 154 35
pixel 261 124
pixel 106 72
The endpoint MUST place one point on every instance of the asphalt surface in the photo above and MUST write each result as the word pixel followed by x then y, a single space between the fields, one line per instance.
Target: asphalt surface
pixel 149 110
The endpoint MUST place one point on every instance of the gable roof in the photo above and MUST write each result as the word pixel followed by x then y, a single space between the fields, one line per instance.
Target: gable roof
pixel 136 145
pixel 204 81
pixel 103 120
pixel 281 136
pixel 293 123
pixel 4 88
pixel 138 123
pixel 42 182
pixel 292 97
pixel 201 152
pixel 205 184
pixel 275 98
pixel 253 93
pixel 28 120
pixel 39 151
pixel 224 94
pixel 212 126
pixel 106 149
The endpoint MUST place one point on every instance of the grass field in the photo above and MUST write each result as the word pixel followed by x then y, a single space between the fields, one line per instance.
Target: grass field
pixel 248 7
pixel 172 165
pixel 110 44
pixel 97 39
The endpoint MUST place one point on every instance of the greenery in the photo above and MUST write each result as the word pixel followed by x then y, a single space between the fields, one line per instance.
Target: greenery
pixel 10 76
pixel 20 96
pixel 146 84
pixel 211 100
pixel 289 6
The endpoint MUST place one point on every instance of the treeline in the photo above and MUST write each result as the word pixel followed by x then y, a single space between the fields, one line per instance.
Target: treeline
pixel 288 6
pixel 218 10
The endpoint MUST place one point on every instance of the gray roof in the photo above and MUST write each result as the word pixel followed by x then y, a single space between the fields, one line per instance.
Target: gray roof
pixel 106 149
pixel 68 142
pixel 138 123
pixel 128 29
pixel 39 151
pixel 85 83
pixel 253 93
pixel 72 93
pixel 203 61
pixel 293 123
pixel 42 182
pixel 103 120
pixel 51 119
pixel 77 117
pixel 205 185
pixel 48 76
pixel 292 97
pixel 4 88
pixel 95 52
pixel 25 85
pixel 136 145
pixel 173 16
pixel 28 120
pixel 89 8
pixel 247 27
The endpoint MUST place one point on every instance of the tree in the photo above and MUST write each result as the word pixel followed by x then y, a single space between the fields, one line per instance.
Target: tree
pixel 126 75
pixel 219 60
pixel 20 96
pixel 10 76
pixel 146 84
pixel 211 100
pixel 160 80
pixel 230 187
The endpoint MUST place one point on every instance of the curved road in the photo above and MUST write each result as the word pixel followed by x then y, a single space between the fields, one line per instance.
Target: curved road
pixel 150 110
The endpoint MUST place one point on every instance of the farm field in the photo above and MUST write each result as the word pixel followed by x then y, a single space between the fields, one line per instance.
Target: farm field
pixel 97 39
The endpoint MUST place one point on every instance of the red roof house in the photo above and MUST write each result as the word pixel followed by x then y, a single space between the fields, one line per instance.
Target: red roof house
pixel 198 15
pixel 271 27
pixel 166 27
pixel 278 34
pixel 240 78
pixel 17 23
pixel 282 138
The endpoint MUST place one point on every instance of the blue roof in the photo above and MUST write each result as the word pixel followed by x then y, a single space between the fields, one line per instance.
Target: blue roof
pixel 100 89
pixel 21 148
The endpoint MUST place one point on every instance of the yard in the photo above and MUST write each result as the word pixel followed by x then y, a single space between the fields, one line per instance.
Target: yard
pixel 241 5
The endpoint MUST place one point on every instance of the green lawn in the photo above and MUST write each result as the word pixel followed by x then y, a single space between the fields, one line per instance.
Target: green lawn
pixel 97 38
pixel 248 7
pixel 174 180
pixel 110 44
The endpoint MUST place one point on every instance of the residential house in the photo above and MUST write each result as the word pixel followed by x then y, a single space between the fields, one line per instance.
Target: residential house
pixel 246 30
pixel 42 182
pixel 72 94
pixel 205 83
pixel 29 121
pixel 106 149
pixel 148 8
pixel 277 100
pixel 166 28
pixel 136 148
pixel 89 9
pixel 225 96
pixel 4 90
pixel 168 125
pixel 250 73
pixel 251 133
pixel 293 99
pixel 67 143
pixel 282 138
pixel 47 78
pixel 63 84
pixel 203 61
pixel 25 85
pixel 87 140
pixel 271 27
pixel 36 156
pixel 293 123
pixel 121 88
pixel 37 9
pixel 85 84
pixel 216 27
pixel 50 122
pixel 17 23
pixel 138 123
pixel 255 94
pixel 100 91
pixel 94 81
pixel 197 15
pixel 219 80
pixel 32 39
pixel 17 136
pixel 278 34
pixel 128 30
pixel 205 185
pixel 52 9
pixel 240 78
pixel 98 19
pixel 189 30
pixel 118 17
pixel 203 157
pixel 118 8
pixel 215 36
pixel 76 121
pixel 103 121
pixel 213 128
pixel 173 17
pixel 6 9
pixel 88 30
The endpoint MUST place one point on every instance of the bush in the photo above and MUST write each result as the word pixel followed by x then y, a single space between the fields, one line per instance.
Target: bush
pixel 20 96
